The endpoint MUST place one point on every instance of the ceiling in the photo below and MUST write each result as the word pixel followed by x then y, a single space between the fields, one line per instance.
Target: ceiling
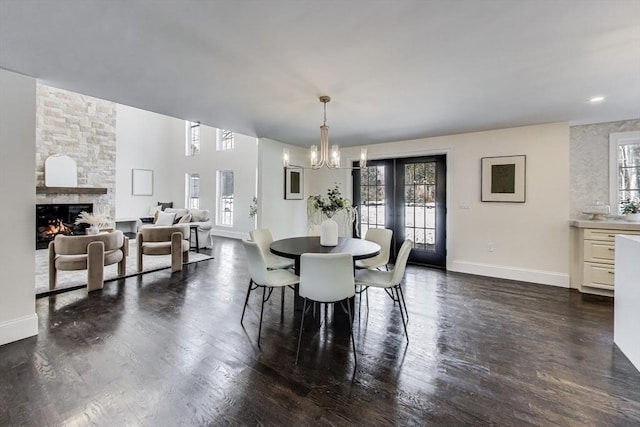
pixel 395 70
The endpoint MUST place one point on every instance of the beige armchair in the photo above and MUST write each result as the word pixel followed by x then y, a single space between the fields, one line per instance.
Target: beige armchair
pixel 91 253
pixel 164 240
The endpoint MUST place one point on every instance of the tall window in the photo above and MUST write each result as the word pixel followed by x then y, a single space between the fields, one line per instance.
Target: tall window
pixel 225 198
pixel 624 168
pixel 225 139
pixel 192 140
pixel 193 191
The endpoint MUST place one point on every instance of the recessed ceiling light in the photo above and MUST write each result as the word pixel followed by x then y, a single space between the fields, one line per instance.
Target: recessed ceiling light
pixel 596 99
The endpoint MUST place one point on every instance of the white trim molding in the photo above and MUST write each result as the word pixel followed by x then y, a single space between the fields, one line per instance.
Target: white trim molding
pixel 230 234
pixel 551 278
pixel 17 329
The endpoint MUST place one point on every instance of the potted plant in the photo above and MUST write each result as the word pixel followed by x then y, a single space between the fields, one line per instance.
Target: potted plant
pixel 631 210
pixel 94 220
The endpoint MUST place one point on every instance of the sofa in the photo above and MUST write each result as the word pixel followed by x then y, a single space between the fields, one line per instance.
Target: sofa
pixel 200 218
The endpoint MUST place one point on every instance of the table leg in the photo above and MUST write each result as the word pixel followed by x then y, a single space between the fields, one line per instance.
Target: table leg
pixel 194 230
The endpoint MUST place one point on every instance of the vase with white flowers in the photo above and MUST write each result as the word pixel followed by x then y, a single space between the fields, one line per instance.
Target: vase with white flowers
pixel 94 220
pixel 326 207
pixel 631 209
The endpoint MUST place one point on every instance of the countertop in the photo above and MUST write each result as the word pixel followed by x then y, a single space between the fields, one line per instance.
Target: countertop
pixel 606 224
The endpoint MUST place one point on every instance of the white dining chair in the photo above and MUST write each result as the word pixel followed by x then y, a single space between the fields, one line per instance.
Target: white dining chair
pixel 326 278
pixel 267 279
pixel 390 281
pixel 264 238
pixel 381 236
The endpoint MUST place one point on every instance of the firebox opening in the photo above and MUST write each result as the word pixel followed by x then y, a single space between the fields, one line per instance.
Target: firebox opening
pixel 54 219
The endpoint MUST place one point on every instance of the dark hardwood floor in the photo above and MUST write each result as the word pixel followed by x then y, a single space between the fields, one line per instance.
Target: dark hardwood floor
pixel 168 349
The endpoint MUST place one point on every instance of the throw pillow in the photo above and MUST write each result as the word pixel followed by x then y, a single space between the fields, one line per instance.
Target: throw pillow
pixel 165 218
pixel 165 205
pixel 179 213
pixel 199 215
pixel 184 219
pixel 154 209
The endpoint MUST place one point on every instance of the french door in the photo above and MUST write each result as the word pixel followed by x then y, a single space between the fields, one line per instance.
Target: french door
pixel 408 196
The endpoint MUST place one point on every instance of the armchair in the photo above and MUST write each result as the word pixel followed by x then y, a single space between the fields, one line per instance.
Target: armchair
pixel 91 253
pixel 164 240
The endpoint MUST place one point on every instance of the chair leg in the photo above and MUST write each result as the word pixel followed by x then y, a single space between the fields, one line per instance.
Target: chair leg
pixel 282 303
pixel 304 310
pixel 246 300
pixel 264 293
pixel 367 295
pixel 353 341
pixel 53 272
pixel 95 266
pixel 139 256
pixel 404 323
pixel 403 302
pixel 122 267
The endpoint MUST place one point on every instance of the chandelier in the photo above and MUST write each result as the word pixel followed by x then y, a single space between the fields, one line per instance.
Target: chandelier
pixel 324 156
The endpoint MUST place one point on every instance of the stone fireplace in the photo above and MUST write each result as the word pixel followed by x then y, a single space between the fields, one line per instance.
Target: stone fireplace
pixel 83 128
pixel 58 218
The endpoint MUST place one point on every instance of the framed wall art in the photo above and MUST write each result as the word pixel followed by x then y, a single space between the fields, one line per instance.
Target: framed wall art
pixel 142 182
pixel 503 179
pixel 293 183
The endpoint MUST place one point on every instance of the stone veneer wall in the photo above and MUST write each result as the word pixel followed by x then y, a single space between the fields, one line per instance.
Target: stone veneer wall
pixel 84 128
pixel 589 162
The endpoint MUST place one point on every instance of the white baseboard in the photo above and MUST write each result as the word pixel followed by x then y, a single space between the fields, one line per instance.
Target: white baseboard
pixel 522 274
pixel 230 234
pixel 17 329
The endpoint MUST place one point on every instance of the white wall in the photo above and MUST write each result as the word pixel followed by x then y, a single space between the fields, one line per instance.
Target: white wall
pixel 147 140
pixel 143 141
pixel 531 240
pixel 242 160
pixel 17 263
pixel 285 218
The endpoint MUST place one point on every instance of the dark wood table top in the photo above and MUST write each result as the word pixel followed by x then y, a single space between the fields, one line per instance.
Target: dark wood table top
pixel 295 246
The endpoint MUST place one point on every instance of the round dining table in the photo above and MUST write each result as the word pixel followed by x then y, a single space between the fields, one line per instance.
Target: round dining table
pixel 294 247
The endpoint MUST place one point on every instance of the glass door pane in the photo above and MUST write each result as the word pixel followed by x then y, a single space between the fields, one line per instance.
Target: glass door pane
pixel 372 200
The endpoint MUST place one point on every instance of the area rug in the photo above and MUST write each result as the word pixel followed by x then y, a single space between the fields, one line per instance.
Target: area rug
pixel 75 279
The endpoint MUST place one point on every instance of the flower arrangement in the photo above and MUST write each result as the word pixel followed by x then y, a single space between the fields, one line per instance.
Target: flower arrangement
pixel 100 220
pixel 332 203
pixel 632 206
pixel 253 208
pixel 320 207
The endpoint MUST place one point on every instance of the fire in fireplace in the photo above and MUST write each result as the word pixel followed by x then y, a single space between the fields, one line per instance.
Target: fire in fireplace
pixel 54 219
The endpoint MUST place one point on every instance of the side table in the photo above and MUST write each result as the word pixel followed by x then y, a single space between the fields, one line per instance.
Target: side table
pixel 194 230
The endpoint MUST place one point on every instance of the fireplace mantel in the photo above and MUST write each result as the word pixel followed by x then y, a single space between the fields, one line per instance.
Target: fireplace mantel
pixel 71 190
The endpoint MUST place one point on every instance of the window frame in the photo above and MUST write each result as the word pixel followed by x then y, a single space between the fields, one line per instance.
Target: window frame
pixel 223 140
pixel 189 141
pixel 615 141
pixel 221 216
pixel 189 191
